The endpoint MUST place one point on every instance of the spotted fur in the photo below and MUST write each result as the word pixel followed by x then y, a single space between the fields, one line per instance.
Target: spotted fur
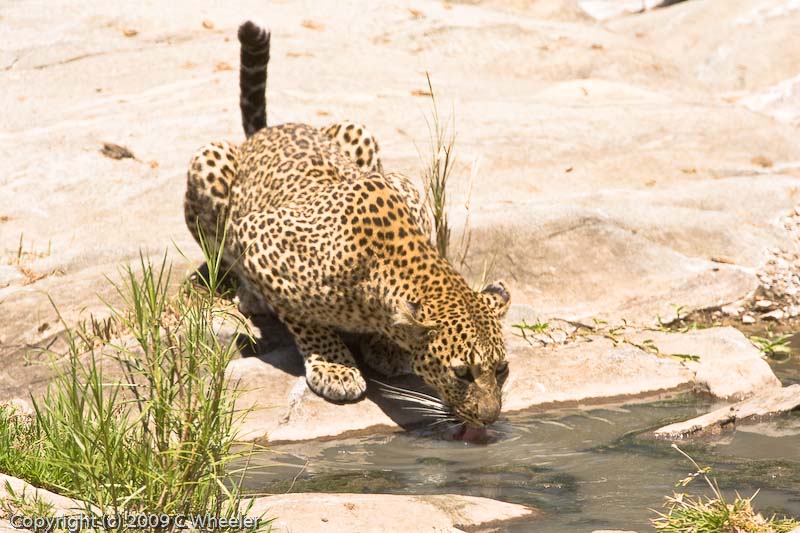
pixel 331 243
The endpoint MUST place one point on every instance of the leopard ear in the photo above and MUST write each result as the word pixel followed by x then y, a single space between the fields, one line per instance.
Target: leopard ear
pixel 498 297
pixel 408 318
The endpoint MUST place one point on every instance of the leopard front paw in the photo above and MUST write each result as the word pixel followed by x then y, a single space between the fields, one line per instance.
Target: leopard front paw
pixel 335 382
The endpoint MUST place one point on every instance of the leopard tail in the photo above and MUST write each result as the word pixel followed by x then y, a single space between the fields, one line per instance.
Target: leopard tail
pixel 253 76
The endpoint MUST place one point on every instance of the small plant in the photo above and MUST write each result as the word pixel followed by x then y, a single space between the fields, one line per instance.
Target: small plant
pixel 616 334
pixel 525 329
pixel 25 254
pixel 96 332
pixel 773 346
pixel 687 513
pixel 23 453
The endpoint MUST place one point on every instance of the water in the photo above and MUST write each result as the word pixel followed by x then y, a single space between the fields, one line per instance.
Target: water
pixel 586 469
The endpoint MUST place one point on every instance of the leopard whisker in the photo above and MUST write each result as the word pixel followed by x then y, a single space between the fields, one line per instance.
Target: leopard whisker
pixel 427 411
pixel 392 388
pixel 425 403
pixel 444 420
pixel 449 424
pixel 396 393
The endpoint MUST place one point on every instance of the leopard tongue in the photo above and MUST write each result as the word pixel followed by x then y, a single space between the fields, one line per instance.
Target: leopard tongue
pixel 470 434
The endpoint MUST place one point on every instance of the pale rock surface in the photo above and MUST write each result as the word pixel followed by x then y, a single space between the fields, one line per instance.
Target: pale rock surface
pixel 364 513
pixel 312 512
pixel 764 403
pixel 729 366
pixel 616 180
pixel 724 43
pixel 61 504
pixel 585 367
pixel 781 101
pixel 607 9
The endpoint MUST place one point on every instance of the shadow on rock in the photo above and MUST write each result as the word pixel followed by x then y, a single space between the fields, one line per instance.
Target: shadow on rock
pixel 274 345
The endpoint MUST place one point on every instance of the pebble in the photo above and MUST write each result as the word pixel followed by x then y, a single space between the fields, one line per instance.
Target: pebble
pixel 773 315
pixel 731 310
pixel 779 290
pixel 764 304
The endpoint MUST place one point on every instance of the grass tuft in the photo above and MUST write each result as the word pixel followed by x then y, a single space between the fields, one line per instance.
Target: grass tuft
pixel 687 513
pixel 773 346
pixel 436 174
pixel 151 427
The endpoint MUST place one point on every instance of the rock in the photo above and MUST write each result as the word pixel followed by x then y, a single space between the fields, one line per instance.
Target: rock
pixel 764 403
pixel 722 42
pixel 591 367
pixel 729 365
pixel 19 406
pixel 605 9
pixel 362 513
pixel 10 274
pixel 731 310
pixel 793 311
pixel 781 101
pixel 764 304
pixel 748 319
pixel 311 512
pixel 773 315
pixel 285 409
pixel 632 108
pixel 61 504
pixel 557 10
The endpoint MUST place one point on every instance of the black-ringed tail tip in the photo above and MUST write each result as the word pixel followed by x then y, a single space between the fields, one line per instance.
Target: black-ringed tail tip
pixel 252 35
pixel 254 58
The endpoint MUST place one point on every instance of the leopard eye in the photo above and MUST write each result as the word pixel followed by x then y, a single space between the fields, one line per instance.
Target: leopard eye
pixel 501 368
pixel 464 372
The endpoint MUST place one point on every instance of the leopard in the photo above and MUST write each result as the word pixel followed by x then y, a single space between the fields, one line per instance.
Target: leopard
pixel 313 226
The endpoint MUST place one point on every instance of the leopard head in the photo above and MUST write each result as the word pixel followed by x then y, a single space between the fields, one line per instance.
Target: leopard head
pixel 458 349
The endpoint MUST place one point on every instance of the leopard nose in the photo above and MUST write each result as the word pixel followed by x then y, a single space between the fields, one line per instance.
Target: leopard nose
pixel 488 411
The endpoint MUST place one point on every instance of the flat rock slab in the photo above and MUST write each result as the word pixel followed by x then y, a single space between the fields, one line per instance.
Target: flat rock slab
pixel 604 187
pixel 617 175
pixel 769 402
pixel 587 368
pixel 363 513
pixel 312 512
pixel 729 366
pixel 61 505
